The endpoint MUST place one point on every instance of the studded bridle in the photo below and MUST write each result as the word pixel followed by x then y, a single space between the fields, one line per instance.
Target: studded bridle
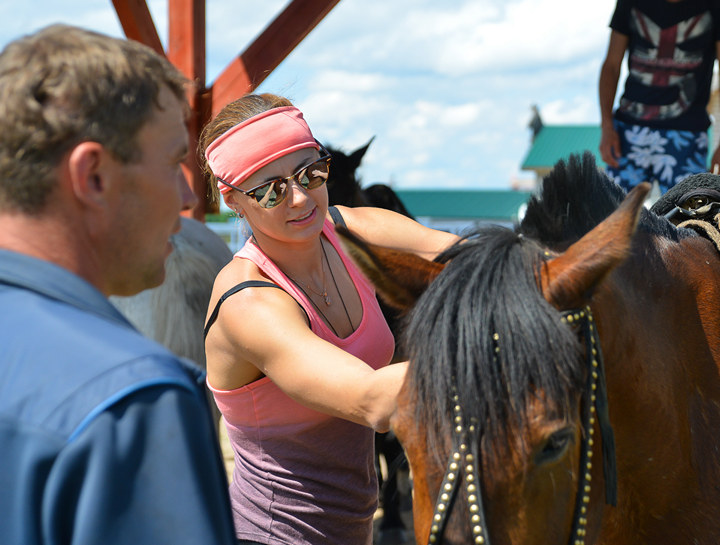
pixel 463 465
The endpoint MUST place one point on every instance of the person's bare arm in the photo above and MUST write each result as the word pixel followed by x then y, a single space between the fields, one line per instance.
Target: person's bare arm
pixel 266 328
pixel 607 88
pixel 715 159
pixel 393 230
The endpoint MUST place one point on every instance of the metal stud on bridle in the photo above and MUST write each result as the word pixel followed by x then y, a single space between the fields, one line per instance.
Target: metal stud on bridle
pixel 595 407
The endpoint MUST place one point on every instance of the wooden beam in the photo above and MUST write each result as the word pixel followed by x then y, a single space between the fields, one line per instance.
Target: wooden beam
pixel 186 40
pixel 186 50
pixel 137 23
pixel 270 48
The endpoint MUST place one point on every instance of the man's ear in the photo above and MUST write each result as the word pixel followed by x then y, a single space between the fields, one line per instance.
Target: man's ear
pixel 87 166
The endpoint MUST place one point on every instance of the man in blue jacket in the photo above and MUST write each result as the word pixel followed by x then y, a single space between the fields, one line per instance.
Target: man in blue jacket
pixel 105 436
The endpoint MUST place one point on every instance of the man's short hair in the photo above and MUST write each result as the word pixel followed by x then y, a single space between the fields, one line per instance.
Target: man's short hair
pixel 64 85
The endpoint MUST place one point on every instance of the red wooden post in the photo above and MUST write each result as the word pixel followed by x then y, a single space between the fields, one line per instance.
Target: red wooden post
pixel 137 22
pixel 186 50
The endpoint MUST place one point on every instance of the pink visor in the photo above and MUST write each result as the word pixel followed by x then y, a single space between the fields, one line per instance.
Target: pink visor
pixel 256 142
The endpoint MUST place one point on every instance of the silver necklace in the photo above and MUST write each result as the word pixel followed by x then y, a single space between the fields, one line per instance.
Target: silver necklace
pixel 332 275
pixel 323 293
pixel 342 300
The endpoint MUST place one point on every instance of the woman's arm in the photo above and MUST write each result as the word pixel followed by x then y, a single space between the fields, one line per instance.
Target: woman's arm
pixel 393 230
pixel 266 329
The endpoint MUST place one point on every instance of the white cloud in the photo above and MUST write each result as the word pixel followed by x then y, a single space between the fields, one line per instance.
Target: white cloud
pixel 464 37
pixel 231 26
pixel 460 116
pixel 446 88
pixel 575 110
pixel 347 81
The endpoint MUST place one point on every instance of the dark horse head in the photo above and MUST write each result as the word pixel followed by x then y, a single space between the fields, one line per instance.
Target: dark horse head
pixel 343 184
pixel 489 350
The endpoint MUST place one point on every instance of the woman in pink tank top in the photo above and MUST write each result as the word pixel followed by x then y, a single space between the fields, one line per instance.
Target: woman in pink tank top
pixel 300 371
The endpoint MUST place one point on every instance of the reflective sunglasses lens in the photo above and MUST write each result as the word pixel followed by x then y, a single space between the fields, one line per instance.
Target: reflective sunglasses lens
pixel 271 194
pixel 315 175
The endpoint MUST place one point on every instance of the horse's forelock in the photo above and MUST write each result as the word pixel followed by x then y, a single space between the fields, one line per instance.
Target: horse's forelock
pixel 575 197
pixel 489 289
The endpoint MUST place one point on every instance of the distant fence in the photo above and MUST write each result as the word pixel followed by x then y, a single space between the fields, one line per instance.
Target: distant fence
pixel 233 231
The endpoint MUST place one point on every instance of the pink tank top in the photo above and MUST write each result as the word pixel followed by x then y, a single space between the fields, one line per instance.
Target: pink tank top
pixel 303 477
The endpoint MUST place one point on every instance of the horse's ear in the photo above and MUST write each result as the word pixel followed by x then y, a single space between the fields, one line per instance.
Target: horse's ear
pixel 356 156
pixel 399 277
pixel 568 280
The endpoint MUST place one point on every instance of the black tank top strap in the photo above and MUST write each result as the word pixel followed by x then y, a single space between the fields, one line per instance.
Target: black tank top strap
pixel 233 291
pixel 336 216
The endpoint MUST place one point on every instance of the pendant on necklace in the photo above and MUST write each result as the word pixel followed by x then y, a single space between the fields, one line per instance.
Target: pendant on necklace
pixel 327 298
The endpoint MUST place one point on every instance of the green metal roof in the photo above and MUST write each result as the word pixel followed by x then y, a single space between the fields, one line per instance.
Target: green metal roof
pixel 555 142
pixel 464 204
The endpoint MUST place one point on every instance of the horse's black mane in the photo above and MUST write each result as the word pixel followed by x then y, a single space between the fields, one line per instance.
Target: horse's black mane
pixel 575 197
pixel 489 287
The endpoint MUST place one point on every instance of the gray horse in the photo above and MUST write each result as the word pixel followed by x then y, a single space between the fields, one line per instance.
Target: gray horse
pixel 174 313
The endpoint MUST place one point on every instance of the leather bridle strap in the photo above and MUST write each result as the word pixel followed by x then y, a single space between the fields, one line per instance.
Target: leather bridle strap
pixel 595 405
pixel 462 461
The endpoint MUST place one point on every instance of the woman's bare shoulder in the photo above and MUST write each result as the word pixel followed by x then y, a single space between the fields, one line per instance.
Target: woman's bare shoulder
pixel 236 271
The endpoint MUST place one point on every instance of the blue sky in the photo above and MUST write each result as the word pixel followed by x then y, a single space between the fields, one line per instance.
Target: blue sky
pixel 445 87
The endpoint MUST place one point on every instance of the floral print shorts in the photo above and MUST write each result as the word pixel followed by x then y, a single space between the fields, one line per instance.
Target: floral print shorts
pixel 658 155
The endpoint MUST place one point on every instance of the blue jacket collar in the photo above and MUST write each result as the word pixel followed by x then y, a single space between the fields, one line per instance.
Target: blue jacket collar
pixel 53 281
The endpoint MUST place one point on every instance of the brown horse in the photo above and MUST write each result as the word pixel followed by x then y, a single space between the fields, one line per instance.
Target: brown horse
pixel 507 392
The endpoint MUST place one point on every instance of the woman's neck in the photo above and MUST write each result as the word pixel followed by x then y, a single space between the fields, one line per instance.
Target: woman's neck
pixel 299 260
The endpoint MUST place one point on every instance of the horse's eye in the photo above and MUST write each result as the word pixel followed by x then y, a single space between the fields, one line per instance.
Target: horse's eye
pixel 555 447
pixel 695 202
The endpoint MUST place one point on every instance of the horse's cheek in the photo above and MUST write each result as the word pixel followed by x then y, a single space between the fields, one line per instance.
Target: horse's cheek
pixel 423 500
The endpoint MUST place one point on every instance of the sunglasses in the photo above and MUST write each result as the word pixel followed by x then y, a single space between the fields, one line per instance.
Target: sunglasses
pixel 272 192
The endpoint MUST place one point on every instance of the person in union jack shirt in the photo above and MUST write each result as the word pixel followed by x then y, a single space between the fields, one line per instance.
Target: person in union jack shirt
pixel 658 131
